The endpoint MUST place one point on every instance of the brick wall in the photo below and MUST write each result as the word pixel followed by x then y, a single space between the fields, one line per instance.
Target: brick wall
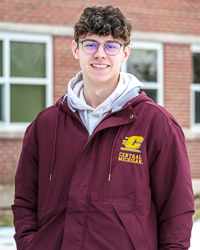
pixel 9 156
pixel 193 148
pixel 177 80
pixel 154 15
pixel 65 65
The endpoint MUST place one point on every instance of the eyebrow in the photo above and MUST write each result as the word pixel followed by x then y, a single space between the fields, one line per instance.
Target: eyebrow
pixel 108 41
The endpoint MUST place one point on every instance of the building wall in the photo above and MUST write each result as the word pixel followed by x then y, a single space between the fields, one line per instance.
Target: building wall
pixel 153 15
pixel 194 156
pixel 177 80
pixel 65 65
pixel 148 16
pixel 9 156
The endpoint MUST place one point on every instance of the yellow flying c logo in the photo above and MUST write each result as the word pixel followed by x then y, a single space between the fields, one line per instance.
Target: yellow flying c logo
pixel 132 143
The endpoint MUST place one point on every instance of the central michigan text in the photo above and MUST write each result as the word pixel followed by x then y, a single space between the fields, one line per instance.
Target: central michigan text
pixel 133 158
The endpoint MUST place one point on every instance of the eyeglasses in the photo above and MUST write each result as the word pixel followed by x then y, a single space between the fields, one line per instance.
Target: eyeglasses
pixel 111 48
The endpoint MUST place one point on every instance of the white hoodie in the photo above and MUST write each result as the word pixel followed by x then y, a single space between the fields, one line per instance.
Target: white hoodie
pixel 127 88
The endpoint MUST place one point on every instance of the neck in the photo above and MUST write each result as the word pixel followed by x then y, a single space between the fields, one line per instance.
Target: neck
pixel 98 93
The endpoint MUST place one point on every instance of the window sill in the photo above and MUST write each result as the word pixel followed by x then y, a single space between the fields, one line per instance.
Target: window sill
pixel 191 135
pixel 11 135
pixel 12 131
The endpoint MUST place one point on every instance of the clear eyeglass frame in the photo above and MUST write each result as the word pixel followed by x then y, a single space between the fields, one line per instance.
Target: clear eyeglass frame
pixel 109 51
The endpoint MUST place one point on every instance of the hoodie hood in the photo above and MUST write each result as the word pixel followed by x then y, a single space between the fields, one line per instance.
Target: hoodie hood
pixel 127 88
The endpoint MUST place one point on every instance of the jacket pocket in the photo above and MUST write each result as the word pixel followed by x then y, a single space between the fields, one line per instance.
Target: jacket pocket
pixel 49 235
pixel 132 225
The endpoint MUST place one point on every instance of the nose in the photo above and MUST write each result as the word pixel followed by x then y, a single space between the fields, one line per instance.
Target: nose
pixel 100 52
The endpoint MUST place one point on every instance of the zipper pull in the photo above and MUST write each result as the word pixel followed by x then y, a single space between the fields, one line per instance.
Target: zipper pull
pixel 50 177
pixel 89 137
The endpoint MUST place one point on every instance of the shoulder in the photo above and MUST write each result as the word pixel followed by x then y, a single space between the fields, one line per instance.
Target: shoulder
pixel 156 122
pixel 155 113
pixel 47 114
pixel 45 118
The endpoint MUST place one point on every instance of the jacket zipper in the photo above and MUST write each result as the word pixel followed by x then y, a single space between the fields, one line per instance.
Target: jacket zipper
pixel 88 195
pixel 89 136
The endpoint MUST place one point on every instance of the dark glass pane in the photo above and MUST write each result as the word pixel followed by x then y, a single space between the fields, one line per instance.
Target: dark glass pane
pixel 196 68
pixel 1 58
pixel 27 59
pixel 197 107
pixel 26 102
pixel 143 64
pixel 152 93
pixel 1 103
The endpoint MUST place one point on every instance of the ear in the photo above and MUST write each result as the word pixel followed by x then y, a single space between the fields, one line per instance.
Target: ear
pixel 126 52
pixel 75 50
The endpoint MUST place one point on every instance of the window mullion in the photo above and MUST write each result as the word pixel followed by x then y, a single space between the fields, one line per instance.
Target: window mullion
pixel 160 78
pixel 27 80
pixel 49 72
pixel 194 88
pixel 6 63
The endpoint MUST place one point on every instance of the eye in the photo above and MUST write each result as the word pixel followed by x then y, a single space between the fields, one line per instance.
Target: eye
pixel 111 46
pixel 90 45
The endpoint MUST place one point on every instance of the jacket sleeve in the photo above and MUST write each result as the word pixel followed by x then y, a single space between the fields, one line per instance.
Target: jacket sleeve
pixel 26 189
pixel 172 191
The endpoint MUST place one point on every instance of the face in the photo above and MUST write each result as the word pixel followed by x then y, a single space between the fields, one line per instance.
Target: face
pixel 99 68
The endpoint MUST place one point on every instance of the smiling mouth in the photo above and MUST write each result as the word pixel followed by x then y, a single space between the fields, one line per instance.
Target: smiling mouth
pixel 99 66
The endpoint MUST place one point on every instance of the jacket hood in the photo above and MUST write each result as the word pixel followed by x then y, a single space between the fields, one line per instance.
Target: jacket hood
pixel 127 88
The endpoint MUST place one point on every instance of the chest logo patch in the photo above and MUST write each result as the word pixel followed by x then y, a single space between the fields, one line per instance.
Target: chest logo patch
pixel 132 143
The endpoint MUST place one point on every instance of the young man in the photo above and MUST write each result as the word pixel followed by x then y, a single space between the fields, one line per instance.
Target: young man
pixel 105 168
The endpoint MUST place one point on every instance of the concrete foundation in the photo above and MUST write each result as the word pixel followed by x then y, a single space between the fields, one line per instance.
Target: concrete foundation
pixel 6 196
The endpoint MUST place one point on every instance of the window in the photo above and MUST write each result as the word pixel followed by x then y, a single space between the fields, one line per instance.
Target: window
pixel 25 78
pixel 195 89
pixel 146 63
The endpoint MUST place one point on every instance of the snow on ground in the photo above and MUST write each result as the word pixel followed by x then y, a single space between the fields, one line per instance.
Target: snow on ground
pixel 195 239
pixel 7 241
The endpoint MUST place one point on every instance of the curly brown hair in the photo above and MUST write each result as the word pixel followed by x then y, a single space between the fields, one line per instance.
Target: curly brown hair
pixel 103 21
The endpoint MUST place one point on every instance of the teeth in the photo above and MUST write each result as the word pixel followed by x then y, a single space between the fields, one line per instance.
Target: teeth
pixel 99 66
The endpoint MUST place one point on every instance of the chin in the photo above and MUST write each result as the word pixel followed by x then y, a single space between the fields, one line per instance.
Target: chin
pixel 100 79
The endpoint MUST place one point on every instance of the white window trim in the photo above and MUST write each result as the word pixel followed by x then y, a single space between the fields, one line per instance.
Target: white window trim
pixel 195 127
pixel 6 37
pixel 160 67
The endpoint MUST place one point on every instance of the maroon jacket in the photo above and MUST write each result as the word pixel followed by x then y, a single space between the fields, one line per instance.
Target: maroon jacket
pixel 128 186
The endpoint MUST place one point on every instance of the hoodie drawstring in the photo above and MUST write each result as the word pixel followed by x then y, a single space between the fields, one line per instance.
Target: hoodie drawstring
pixel 86 119
pixel 100 114
pixel 54 143
pixel 111 157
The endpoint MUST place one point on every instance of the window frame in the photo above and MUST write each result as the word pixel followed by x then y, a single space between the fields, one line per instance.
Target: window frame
pixel 159 86
pixel 6 80
pixel 194 87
